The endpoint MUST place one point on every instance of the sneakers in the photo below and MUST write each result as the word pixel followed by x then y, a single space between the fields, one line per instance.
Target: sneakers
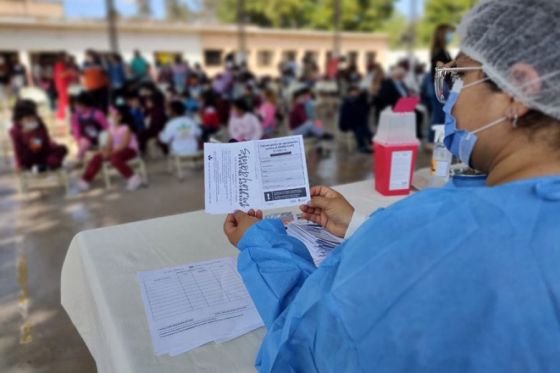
pixel 78 188
pixel 82 185
pixel 133 183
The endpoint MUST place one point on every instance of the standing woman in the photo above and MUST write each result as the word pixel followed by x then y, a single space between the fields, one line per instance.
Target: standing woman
pixel 61 81
pixel 443 35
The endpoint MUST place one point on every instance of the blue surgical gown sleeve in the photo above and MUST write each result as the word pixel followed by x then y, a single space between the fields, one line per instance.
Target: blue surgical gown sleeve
pixel 454 280
pixel 273 266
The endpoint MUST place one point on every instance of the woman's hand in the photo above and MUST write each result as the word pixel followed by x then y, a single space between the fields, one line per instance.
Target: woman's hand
pixel 238 223
pixel 329 209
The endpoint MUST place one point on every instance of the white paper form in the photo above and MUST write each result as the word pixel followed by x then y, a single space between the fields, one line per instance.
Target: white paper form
pixel 261 174
pixel 190 305
pixel 316 239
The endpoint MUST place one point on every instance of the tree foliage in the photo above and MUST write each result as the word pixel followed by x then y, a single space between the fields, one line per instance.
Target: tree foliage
pixel 441 11
pixel 356 15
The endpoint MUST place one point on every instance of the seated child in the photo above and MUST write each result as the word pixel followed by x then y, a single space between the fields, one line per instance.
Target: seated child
pixel 33 146
pixel 87 125
pixel 302 117
pixel 243 124
pixel 118 146
pixel 181 132
pixel 268 112
pixel 209 116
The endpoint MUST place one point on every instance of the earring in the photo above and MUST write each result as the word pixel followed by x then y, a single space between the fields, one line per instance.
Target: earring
pixel 515 120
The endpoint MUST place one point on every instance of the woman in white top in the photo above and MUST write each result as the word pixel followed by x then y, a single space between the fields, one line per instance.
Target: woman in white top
pixel 243 124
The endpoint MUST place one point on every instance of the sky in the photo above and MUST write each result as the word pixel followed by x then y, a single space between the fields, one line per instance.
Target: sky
pixel 96 8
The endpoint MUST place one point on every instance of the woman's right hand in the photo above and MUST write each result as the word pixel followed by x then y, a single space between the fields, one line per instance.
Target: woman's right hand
pixel 329 209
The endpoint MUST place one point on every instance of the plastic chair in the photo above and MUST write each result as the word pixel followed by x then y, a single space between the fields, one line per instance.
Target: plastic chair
pixel 136 163
pixel 176 162
pixel 24 177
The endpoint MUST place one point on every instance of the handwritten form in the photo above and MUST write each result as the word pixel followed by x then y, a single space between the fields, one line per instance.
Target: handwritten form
pixel 260 174
pixel 193 304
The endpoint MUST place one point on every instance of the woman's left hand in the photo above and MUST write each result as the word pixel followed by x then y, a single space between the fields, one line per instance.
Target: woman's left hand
pixel 238 223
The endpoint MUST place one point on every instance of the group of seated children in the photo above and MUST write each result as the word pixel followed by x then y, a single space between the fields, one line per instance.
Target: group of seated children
pixel 137 118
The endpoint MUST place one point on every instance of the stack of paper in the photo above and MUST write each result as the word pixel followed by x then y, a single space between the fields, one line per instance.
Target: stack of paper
pixel 318 241
pixel 193 304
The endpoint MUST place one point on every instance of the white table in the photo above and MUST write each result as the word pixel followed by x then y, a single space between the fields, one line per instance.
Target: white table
pixel 100 291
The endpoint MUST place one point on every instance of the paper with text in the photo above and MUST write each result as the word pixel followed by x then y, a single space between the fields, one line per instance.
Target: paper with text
pixel 262 174
pixel 193 304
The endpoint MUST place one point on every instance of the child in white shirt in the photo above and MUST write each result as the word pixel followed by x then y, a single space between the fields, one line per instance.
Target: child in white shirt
pixel 181 132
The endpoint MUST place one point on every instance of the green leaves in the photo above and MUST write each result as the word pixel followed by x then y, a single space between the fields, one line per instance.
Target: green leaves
pixel 356 15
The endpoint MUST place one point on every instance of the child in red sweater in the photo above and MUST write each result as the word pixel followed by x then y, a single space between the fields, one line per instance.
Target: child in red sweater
pixel 33 146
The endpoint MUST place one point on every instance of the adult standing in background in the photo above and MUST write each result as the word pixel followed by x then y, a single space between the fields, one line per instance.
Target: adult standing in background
pixel 95 81
pixel 18 75
pixel 139 67
pixel 117 75
pixel 180 73
pixel 443 35
pixel 61 82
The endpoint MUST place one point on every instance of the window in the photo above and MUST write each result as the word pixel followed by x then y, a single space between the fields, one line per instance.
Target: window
pixel 311 56
pixel 289 55
pixel 264 58
pixel 213 57
pixel 370 57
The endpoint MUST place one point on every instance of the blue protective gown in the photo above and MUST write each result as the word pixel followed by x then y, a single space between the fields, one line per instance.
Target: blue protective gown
pixel 448 280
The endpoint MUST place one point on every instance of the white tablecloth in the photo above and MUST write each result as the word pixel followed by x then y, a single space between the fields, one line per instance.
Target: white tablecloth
pixel 100 291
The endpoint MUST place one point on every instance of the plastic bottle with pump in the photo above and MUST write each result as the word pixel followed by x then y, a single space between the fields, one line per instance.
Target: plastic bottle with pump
pixel 441 160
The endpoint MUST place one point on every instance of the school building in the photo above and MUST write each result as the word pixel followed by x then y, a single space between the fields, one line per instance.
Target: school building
pixel 36 30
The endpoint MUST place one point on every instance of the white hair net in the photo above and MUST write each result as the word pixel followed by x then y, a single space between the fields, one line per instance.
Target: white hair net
pixel 512 39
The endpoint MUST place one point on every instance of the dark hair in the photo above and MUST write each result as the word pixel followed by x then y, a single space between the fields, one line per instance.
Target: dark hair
pixel 301 92
pixel 84 98
pixel 209 98
pixel 126 116
pixel 24 108
pixel 534 121
pixel 241 105
pixel 438 40
pixel 177 108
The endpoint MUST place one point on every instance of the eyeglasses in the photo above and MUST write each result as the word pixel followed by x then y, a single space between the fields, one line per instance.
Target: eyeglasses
pixel 445 78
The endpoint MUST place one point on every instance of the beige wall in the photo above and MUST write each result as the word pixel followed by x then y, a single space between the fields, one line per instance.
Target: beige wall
pixel 278 42
pixel 191 41
pixel 30 8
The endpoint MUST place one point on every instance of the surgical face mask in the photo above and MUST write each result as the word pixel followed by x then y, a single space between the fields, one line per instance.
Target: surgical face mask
pixel 449 37
pixel 30 126
pixel 459 142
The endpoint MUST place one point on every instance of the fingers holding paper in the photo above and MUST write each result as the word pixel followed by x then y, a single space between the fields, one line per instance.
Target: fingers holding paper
pixel 329 209
pixel 237 223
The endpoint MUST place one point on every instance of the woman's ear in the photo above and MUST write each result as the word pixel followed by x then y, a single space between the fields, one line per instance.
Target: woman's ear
pixel 516 110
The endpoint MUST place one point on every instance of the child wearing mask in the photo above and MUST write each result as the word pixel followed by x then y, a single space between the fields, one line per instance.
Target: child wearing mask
pixel 118 147
pixel 87 123
pixel 33 146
